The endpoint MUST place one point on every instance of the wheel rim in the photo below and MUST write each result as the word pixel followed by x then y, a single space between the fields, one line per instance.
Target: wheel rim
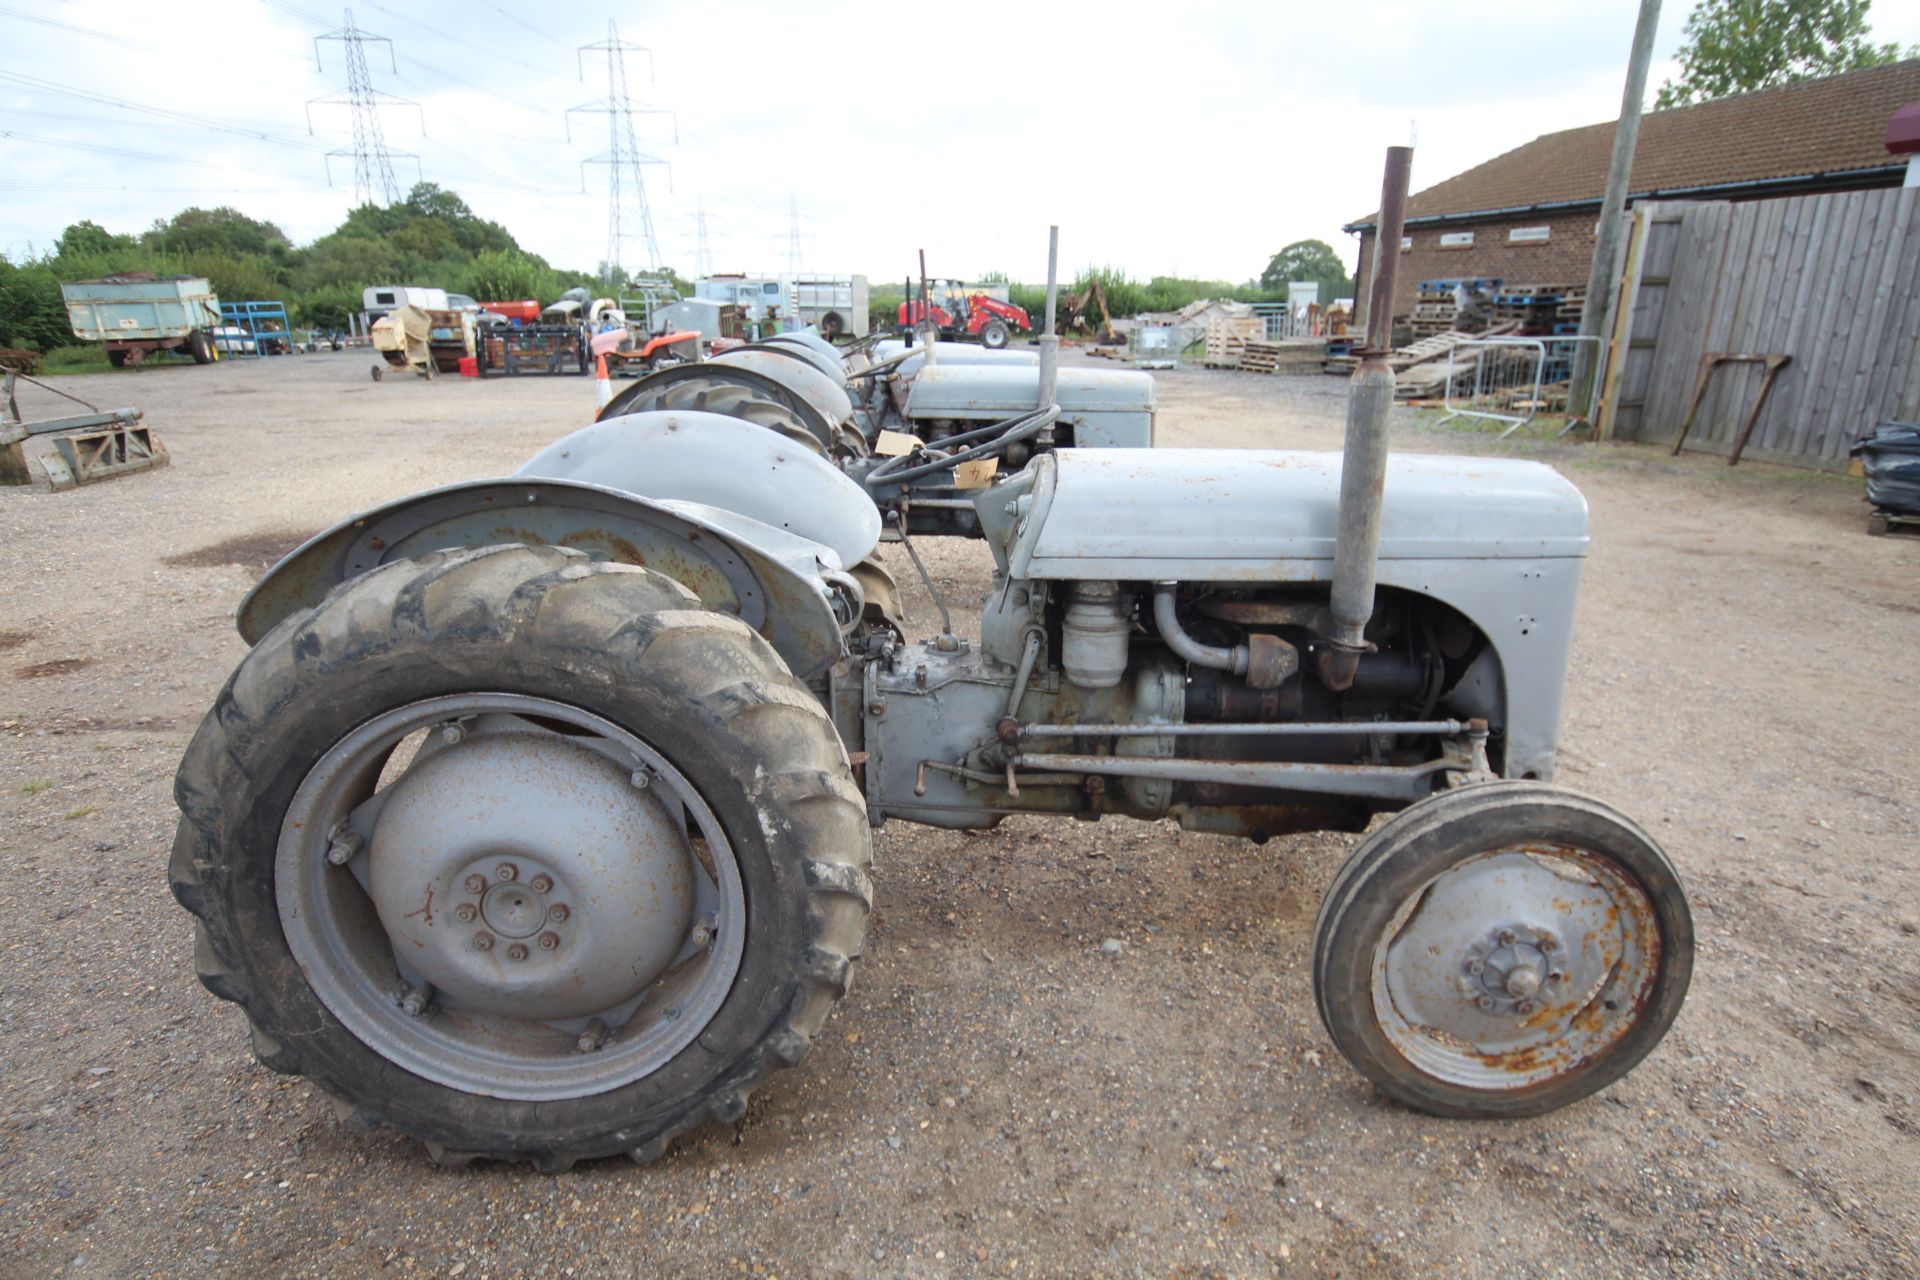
pixel 510 896
pixel 1516 966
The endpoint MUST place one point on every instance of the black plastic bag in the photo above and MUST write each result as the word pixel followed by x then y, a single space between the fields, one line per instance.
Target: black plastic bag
pixel 1891 459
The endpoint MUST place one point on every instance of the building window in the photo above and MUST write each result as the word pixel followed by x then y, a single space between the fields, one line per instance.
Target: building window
pixel 1456 240
pixel 1406 243
pixel 1529 235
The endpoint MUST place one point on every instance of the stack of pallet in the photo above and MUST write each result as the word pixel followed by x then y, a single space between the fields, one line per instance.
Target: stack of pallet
pixel 1535 308
pixel 1227 338
pixel 1287 355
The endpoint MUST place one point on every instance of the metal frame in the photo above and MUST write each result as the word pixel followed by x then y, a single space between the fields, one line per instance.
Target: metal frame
pixel 1569 347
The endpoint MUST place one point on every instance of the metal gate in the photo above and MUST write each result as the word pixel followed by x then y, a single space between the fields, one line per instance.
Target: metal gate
pixel 1515 380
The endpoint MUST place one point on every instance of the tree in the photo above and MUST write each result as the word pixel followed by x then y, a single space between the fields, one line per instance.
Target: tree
pixel 1736 46
pixel 88 238
pixel 1308 260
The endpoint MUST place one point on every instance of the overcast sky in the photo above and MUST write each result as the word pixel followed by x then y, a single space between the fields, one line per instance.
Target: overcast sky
pixel 1165 138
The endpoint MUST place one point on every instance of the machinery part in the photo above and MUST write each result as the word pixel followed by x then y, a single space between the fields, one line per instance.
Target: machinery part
pixel 759 574
pixel 651 392
pixel 734 398
pixel 1093 634
pixel 994 334
pixel 1502 950
pixel 826 393
pixel 199 347
pixel 1363 464
pixel 748 841
pixel 1264 660
pixel 831 325
pixel 730 468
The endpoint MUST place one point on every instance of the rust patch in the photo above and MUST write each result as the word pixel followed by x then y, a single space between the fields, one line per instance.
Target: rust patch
pixel 425 910
pixel 258 551
pixel 51 667
pixel 14 639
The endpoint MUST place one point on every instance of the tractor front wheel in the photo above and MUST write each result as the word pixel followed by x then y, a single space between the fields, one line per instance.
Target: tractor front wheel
pixel 1502 950
pixel 527 856
pixel 994 334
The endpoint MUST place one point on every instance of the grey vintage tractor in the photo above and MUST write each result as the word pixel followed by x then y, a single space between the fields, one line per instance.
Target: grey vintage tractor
pixel 536 823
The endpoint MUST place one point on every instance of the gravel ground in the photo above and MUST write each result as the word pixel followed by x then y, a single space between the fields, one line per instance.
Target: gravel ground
pixel 1001 1094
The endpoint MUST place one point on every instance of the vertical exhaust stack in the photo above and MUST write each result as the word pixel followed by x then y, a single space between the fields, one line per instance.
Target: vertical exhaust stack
pixel 929 332
pixel 1363 467
pixel 1049 340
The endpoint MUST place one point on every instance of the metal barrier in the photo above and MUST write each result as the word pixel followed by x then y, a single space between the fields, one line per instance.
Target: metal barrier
pixel 1515 380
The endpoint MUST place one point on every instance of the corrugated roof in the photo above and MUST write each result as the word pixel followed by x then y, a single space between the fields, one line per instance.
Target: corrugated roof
pixel 1816 126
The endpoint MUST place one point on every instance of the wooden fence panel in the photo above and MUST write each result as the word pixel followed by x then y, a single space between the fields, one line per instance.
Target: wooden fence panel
pixel 1832 281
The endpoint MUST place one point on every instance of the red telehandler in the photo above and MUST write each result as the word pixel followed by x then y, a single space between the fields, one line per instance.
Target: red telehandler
pixel 961 315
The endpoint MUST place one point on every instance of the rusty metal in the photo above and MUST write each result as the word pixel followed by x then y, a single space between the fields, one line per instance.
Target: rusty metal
pixel 1263 613
pixel 1712 361
pixel 1363 469
pixel 1384 782
pixel 1325 728
pixel 95 445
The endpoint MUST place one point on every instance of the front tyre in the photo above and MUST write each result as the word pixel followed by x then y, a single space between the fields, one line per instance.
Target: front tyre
pixel 527 856
pixel 1502 950
pixel 994 335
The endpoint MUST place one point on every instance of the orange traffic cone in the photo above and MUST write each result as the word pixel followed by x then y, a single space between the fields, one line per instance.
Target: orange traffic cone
pixel 604 384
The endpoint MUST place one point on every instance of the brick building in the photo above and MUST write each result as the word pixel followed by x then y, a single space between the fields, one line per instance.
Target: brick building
pixel 1528 216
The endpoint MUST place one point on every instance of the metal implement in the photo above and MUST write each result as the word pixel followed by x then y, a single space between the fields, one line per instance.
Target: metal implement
pixel 95 445
pixel 1715 360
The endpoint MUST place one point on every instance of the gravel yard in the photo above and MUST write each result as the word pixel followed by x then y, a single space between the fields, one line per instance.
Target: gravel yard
pixel 1072 1048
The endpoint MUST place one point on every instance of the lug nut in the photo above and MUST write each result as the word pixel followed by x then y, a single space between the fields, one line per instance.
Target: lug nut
pixel 483 941
pixel 593 1037
pixel 1524 1007
pixel 1477 967
pixel 558 913
pixel 641 779
pixel 1506 937
pixel 541 883
pixel 1549 943
pixel 1485 1002
pixel 415 1002
pixel 549 940
pixel 507 871
pixel 518 951
pixel 475 884
pixel 465 913
pixel 451 733
pixel 344 848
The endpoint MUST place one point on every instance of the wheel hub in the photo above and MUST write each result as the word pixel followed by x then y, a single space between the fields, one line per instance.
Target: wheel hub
pixel 522 874
pixel 1511 970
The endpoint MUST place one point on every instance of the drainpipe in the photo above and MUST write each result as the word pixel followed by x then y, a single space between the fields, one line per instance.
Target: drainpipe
pixel 1363 465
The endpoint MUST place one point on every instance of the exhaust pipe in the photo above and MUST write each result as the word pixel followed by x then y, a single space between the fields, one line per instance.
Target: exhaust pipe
pixel 1363 464
pixel 1049 341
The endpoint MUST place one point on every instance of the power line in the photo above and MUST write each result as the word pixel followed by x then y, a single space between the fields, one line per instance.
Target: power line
pixel 164 113
pixel 70 144
pixel 12 12
pixel 373 179
pixel 508 15
pixel 448 35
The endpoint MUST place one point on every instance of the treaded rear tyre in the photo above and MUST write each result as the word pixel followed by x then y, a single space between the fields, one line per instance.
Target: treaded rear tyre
pixel 622 642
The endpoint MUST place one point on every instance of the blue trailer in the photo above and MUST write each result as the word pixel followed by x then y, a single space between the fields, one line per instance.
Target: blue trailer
pixel 139 313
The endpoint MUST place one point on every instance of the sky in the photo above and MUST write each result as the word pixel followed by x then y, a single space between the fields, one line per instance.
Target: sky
pixel 1191 139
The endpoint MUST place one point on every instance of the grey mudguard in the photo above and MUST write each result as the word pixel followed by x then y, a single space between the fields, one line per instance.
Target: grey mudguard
pixel 723 462
pixel 778 583
pixel 1500 540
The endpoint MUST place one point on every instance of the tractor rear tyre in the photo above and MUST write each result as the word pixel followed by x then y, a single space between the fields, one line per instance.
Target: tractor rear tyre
pixel 527 856
pixel 199 347
pixel 118 359
pixel 994 335
pixel 1502 950
pixel 832 326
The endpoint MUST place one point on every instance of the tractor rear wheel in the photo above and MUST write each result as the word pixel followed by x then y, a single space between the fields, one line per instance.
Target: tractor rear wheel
pixel 200 347
pixel 832 326
pixel 525 855
pixel 994 334
pixel 1502 950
